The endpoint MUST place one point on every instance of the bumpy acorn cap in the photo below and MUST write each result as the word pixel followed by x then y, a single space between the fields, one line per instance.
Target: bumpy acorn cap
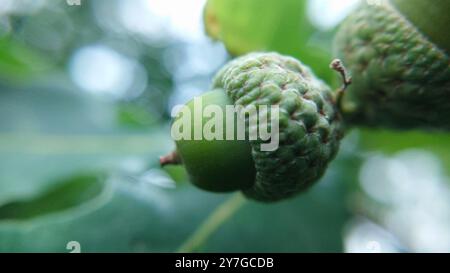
pixel 310 126
pixel 400 78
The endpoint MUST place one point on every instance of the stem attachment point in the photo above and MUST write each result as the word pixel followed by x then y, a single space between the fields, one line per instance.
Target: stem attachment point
pixel 338 66
pixel 171 159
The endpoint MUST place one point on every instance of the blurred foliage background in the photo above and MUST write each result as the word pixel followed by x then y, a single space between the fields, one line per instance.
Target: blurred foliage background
pixel 85 98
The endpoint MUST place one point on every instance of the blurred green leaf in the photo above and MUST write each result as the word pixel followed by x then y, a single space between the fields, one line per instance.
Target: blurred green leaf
pixel 126 217
pixel 130 216
pixel 273 25
pixel 66 194
pixel 18 62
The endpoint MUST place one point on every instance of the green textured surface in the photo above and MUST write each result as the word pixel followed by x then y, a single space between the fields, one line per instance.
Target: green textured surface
pixel 216 165
pixel 400 79
pixel 310 127
pixel 419 12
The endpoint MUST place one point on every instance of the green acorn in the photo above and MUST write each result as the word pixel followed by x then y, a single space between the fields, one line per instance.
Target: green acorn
pixel 215 160
pixel 398 52
pixel 309 124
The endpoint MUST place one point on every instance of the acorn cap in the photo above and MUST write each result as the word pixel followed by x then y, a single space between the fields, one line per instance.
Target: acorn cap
pixel 310 127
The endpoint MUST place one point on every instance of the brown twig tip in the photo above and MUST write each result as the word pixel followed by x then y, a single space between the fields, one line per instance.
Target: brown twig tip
pixel 338 66
pixel 171 159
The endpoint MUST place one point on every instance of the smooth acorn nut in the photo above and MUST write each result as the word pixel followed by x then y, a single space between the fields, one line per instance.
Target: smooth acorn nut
pixel 309 130
pixel 398 53
pixel 215 165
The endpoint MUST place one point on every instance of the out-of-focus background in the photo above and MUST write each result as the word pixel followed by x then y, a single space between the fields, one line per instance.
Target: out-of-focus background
pixel 85 97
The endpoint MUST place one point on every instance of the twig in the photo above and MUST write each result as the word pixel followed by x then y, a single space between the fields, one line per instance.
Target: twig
pixel 338 66
pixel 171 159
pixel 212 223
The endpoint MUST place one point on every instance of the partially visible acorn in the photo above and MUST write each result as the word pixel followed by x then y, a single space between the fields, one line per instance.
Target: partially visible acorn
pixel 398 53
pixel 310 130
